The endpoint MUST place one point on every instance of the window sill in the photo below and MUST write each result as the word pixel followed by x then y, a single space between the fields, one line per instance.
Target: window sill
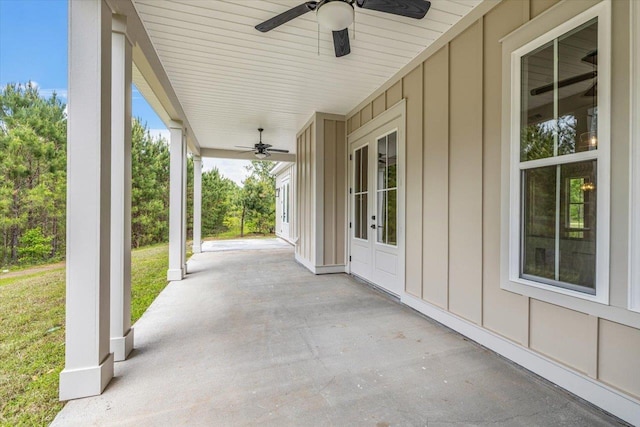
pixel 524 287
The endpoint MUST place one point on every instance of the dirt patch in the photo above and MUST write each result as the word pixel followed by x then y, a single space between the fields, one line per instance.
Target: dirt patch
pixel 31 270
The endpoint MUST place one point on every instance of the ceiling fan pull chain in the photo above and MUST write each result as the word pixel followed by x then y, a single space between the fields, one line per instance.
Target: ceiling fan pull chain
pixel 318 39
pixel 354 26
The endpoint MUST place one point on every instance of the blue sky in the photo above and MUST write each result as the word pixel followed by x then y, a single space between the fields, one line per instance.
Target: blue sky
pixel 33 47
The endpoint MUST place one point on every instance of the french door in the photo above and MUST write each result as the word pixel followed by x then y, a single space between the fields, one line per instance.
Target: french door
pixel 376 233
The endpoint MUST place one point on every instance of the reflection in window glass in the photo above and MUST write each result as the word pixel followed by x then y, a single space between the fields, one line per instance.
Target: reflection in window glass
pixel 559 240
pixel 537 121
pixel 539 226
pixel 382 217
pixel 577 224
pixel 363 217
pixel 392 160
pixel 578 89
pixel 382 163
pixel 560 115
pixel 392 214
pixel 386 209
pixel 360 207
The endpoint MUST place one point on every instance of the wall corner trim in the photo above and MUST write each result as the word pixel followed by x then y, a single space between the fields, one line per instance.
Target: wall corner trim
pixel 598 393
pixel 319 269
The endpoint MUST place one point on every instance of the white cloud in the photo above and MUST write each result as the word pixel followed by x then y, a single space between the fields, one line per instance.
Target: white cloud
pixel 233 169
pixel 161 133
pixel 47 93
pixel 229 168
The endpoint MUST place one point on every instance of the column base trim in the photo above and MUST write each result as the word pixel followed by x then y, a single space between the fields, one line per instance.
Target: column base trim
pixel 122 346
pixel 85 382
pixel 175 274
pixel 617 403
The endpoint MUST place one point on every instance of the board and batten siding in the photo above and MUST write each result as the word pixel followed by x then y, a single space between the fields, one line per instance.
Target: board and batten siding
pixel 321 194
pixel 453 204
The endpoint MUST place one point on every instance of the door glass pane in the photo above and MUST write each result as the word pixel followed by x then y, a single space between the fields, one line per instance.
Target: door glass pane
pixel 360 207
pixel 578 89
pixel 364 160
pixel 537 126
pixel 578 224
pixel 357 185
pixel 381 217
pixel 381 167
pixel 539 225
pixel 392 160
pixel 392 217
pixel 363 217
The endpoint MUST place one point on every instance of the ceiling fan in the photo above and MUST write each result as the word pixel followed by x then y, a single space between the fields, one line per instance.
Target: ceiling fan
pixel 337 15
pixel 262 150
pixel 589 58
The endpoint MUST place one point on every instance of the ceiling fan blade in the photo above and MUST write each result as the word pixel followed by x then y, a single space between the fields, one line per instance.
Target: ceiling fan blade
pixel 242 146
pixel 562 83
pixel 287 16
pixel 591 57
pixel 416 9
pixel 341 42
pixel 592 91
pixel 277 150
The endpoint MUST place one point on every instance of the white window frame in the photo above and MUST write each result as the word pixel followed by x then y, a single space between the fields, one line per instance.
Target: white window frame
pixel 634 235
pixel 514 282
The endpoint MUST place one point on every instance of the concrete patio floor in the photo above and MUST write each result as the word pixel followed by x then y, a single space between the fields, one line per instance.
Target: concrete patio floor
pixel 252 338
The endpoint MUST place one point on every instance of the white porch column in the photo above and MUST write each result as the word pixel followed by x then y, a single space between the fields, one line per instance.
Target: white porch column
pixel 197 204
pixel 121 332
pixel 177 152
pixel 88 362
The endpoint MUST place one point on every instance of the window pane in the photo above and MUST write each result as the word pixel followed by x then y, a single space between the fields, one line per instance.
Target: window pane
pixel 392 162
pixel 365 168
pixel 539 226
pixel 578 89
pixel 363 217
pixel 392 217
pixel 381 218
pixel 357 205
pixel 381 168
pixel 578 224
pixel 357 177
pixel 537 118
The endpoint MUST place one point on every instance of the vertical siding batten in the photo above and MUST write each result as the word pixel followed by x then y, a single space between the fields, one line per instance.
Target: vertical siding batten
pixel 413 93
pixel 436 179
pixel 503 312
pixel 465 163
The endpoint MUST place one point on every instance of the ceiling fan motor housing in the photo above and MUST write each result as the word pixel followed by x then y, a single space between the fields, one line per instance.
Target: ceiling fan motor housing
pixel 335 15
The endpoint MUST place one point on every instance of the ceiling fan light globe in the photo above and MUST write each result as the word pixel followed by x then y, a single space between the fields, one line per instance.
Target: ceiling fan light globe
pixel 261 155
pixel 335 15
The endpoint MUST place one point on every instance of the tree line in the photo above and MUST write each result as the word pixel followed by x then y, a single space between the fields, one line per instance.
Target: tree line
pixel 33 158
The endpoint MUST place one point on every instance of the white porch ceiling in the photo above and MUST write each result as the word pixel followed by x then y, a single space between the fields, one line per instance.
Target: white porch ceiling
pixel 231 79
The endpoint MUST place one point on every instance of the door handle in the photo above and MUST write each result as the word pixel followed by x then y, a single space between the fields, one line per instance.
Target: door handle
pixel 373 226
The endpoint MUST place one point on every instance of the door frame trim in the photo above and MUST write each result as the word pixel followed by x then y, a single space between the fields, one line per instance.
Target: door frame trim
pixel 397 111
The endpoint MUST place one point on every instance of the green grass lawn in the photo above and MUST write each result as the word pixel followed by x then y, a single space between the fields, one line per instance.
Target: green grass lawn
pixel 32 334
